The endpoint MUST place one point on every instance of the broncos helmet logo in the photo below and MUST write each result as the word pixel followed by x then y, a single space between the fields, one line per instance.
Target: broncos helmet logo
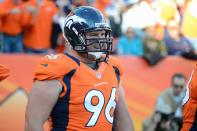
pixel 74 20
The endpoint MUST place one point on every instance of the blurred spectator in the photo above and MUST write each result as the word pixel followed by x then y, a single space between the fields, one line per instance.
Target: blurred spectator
pixel 38 32
pixel 154 47
pixel 173 96
pixel 176 43
pixel 189 23
pixel 1 42
pixel 78 2
pixel 64 9
pixel 101 5
pixel 156 31
pixel 169 11
pixel 181 6
pixel 10 17
pixel 154 50
pixel 1 34
pixel 160 120
pixel 61 48
pixel 114 12
pixel 140 15
pixel 130 44
pixel 168 112
pixel 1 37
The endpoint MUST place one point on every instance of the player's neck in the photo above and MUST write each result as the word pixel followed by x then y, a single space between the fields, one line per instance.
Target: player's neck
pixel 92 64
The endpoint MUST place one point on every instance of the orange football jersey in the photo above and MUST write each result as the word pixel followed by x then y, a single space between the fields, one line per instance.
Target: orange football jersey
pixel 88 98
pixel 190 104
pixel 4 72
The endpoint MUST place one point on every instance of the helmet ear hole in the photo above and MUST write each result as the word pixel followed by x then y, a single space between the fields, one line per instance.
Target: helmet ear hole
pixel 70 35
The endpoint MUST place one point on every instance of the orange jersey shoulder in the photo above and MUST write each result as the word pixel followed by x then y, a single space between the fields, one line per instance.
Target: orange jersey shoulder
pixel 54 66
pixel 190 104
pixel 114 63
pixel 4 72
pixel 193 84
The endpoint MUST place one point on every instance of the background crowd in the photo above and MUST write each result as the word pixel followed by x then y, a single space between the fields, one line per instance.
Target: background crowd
pixel 150 29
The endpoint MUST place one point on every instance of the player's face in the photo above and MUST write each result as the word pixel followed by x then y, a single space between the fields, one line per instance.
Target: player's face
pixel 178 85
pixel 96 41
pixel 96 45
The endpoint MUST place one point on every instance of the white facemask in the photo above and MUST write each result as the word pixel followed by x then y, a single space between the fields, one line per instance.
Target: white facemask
pixel 96 54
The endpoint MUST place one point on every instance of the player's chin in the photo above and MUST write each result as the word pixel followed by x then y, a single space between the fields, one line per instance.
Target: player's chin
pixel 94 58
pixel 91 57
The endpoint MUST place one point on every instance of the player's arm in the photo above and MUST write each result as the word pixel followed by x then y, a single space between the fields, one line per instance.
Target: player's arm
pixel 122 119
pixel 41 100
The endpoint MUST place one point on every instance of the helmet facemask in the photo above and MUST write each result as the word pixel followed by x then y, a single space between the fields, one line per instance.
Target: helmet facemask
pixel 98 47
pixel 80 24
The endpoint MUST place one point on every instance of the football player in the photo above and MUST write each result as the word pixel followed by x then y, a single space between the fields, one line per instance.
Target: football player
pixel 190 104
pixel 80 90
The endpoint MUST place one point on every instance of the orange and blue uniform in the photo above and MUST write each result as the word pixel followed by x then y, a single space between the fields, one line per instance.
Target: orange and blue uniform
pixel 88 98
pixel 190 104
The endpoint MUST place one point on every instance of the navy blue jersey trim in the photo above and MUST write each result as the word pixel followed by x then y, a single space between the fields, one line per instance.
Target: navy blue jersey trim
pixel 73 58
pixel 194 125
pixel 117 72
pixel 60 112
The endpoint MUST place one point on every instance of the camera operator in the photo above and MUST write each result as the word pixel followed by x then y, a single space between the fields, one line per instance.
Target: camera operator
pixel 161 120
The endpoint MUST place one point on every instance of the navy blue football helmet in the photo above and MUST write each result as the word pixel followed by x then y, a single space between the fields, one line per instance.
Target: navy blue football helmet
pixel 83 20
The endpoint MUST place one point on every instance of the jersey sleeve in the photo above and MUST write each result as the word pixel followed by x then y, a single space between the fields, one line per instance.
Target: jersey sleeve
pixel 54 67
pixel 193 85
pixel 189 103
pixel 115 64
pixel 4 72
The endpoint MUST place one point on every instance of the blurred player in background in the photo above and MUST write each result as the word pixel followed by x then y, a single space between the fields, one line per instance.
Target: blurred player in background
pixel 190 104
pixel 80 90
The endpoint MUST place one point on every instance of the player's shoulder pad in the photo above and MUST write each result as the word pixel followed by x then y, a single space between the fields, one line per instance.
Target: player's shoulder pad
pixel 55 66
pixel 4 72
pixel 115 64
